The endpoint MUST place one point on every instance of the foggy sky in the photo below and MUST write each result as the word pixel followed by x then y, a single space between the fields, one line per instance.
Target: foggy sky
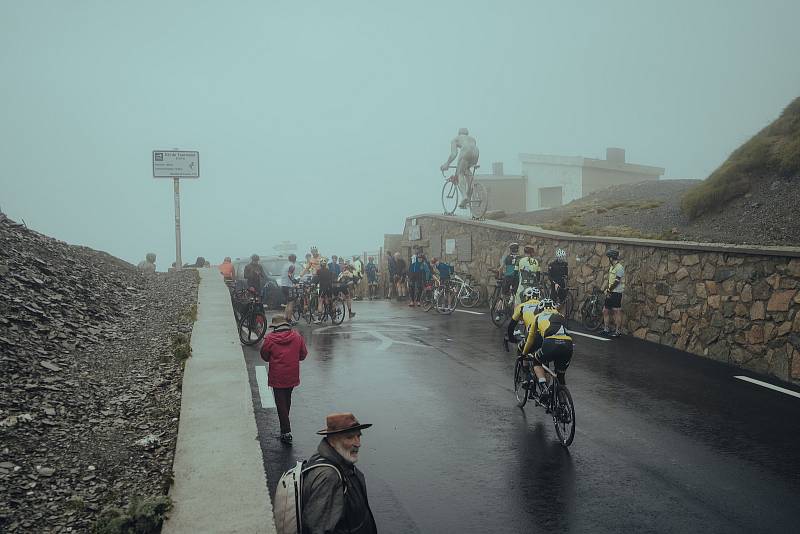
pixel 325 122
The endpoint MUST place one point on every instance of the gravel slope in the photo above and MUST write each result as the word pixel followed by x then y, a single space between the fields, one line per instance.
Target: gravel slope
pixel 87 372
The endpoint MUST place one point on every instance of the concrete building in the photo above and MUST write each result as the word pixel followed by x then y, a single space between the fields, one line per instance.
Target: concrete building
pixel 549 181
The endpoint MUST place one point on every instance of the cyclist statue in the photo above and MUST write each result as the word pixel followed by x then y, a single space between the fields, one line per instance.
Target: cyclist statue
pixel 467 159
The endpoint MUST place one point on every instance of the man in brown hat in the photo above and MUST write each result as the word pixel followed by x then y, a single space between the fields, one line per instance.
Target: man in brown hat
pixel 335 493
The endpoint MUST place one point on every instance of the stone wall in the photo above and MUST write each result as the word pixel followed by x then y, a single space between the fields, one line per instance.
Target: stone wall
pixel 729 303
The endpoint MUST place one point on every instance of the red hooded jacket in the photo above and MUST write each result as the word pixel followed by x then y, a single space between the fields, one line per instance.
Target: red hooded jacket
pixel 283 349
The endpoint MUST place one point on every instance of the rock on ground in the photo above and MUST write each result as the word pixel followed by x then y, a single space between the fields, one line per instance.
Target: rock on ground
pixel 90 395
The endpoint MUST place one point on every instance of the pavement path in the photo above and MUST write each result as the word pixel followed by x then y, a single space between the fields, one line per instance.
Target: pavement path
pixel 665 441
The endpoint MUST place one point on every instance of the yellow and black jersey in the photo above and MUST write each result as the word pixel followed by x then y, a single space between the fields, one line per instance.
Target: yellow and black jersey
pixel 525 311
pixel 549 324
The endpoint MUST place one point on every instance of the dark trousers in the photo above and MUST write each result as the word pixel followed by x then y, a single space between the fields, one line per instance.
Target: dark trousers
pixel 283 402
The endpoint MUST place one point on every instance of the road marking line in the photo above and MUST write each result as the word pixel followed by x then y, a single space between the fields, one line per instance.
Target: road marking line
pixel 588 335
pixel 768 385
pixel 472 312
pixel 264 391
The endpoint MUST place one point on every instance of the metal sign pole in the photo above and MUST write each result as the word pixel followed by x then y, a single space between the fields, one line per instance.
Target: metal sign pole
pixel 178 262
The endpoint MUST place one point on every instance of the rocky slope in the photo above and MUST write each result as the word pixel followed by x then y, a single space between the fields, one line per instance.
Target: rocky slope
pixel 90 391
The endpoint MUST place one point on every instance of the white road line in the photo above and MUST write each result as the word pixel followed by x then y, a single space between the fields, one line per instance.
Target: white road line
pixel 472 312
pixel 571 332
pixel 264 391
pixel 768 385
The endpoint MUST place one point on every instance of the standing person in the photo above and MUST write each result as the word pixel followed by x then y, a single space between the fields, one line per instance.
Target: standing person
pixel 313 263
pixel 391 267
pixel 334 267
pixel 510 269
pixel 371 271
pixel 358 272
pixel 613 303
pixel 558 272
pixel 148 265
pixel 467 158
pixel 400 275
pixel 288 282
pixel 415 278
pixel 334 500
pixel 283 349
pixel 254 273
pixel 227 270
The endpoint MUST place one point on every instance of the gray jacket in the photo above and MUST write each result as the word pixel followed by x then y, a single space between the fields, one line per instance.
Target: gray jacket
pixel 332 505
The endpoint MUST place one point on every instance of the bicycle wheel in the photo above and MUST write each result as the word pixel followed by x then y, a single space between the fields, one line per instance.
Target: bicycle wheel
pixel 568 304
pixel 564 415
pixel 590 317
pixel 471 297
pixel 445 301
pixel 479 201
pixel 498 311
pixel 427 299
pixel 252 327
pixel 520 375
pixel 449 197
pixel 311 310
pixel 337 311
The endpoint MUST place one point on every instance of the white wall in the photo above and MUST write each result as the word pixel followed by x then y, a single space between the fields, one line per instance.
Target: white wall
pixel 550 175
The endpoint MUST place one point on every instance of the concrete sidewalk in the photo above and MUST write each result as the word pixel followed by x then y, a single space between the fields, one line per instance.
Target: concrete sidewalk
pixel 220 484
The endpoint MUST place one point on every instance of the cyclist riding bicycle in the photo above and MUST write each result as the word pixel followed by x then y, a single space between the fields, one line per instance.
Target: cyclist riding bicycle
pixel 324 278
pixel 467 159
pixel 510 269
pixel 529 271
pixel 525 311
pixel 346 281
pixel 550 341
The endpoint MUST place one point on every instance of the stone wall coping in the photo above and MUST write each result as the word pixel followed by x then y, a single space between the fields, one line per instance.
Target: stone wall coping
pixel 792 252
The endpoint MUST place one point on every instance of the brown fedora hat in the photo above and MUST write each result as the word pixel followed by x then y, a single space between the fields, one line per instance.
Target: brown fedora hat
pixel 336 423
pixel 278 321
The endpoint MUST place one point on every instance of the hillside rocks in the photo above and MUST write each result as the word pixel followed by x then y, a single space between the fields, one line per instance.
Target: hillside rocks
pixel 742 309
pixel 87 371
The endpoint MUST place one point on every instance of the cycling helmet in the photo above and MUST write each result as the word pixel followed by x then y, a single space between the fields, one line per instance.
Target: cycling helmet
pixel 561 254
pixel 545 304
pixel 514 246
pixel 612 253
pixel 254 257
pixel 531 292
pixel 314 249
pixel 151 257
pixel 528 248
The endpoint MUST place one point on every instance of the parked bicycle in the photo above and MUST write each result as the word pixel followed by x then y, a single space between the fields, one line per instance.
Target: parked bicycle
pixel 456 290
pixel 478 202
pixel 252 323
pixel 591 310
pixel 565 299
pixel 558 401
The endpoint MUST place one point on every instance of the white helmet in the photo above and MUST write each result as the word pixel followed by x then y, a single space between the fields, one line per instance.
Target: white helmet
pixel 545 304
pixel 561 254
pixel 531 292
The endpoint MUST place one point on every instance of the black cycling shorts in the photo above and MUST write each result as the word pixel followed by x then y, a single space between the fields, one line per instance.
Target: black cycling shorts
pixel 558 351
pixel 613 301
pixel 510 283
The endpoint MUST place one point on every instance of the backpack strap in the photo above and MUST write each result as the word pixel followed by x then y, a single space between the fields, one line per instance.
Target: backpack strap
pixel 324 464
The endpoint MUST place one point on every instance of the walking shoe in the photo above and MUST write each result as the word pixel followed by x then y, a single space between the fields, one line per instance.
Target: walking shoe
pixel 616 333
pixel 317 321
pixel 419 304
pixel 411 304
pixel 286 438
pixel 606 333
pixel 352 314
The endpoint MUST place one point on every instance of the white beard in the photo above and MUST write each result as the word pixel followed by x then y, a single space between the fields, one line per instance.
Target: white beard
pixel 344 453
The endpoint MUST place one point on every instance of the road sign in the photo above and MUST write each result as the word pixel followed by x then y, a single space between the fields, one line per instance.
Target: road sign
pixel 176 164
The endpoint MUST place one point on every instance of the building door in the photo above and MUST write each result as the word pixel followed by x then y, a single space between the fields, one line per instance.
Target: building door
pixel 551 197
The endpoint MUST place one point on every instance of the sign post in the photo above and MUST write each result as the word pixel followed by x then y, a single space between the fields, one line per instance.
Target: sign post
pixel 176 164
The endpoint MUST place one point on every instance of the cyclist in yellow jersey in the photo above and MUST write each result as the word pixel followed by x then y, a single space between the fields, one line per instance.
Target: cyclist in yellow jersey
pixel 525 311
pixel 550 341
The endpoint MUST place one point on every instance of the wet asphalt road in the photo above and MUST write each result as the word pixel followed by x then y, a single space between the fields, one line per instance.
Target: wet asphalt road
pixel 665 441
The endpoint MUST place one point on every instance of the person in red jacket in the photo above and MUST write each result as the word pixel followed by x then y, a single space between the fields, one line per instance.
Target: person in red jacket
pixel 283 348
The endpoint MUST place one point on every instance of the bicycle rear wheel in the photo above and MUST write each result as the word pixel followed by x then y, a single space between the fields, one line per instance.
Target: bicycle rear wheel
pixel 252 327
pixel 520 375
pixel 591 316
pixel 446 301
pixel 567 306
pixel 497 312
pixel 309 312
pixel 427 299
pixel 449 197
pixel 471 297
pixel 479 201
pixel 564 415
pixel 337 311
